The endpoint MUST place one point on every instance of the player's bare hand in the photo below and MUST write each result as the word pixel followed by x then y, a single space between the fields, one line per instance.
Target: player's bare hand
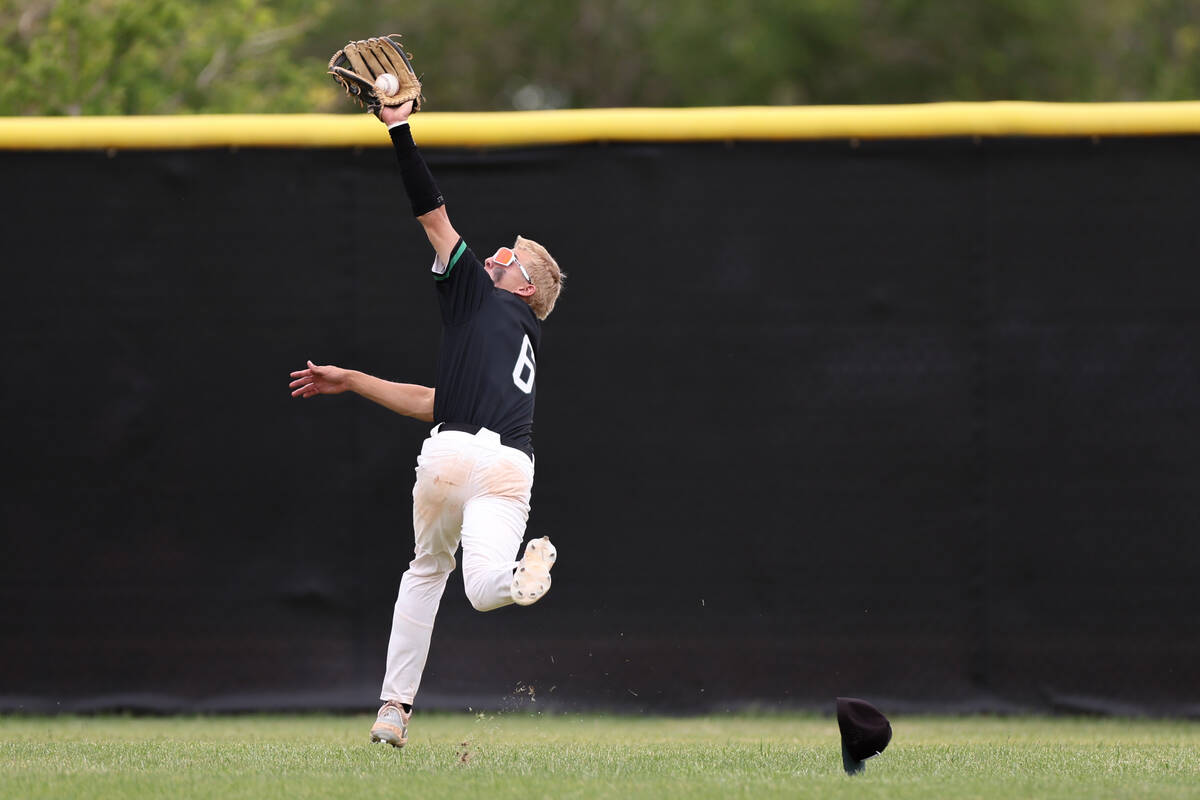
pixel 400 113
pixel 317 380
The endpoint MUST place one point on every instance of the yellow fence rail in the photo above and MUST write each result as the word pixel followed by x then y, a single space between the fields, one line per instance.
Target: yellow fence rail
pixel 523 128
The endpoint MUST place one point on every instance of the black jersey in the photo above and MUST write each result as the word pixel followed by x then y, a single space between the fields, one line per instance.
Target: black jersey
pixel 488 360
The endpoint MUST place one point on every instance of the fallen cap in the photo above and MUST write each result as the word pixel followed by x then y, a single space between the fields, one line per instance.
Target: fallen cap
pixel 865 732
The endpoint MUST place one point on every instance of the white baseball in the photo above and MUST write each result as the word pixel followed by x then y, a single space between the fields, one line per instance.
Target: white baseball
pixel 387 84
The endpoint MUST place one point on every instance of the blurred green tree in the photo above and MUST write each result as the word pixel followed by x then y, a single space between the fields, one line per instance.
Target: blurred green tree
pixel 494 54
pixel 155 56
pixel 1153 50
pixel 171 56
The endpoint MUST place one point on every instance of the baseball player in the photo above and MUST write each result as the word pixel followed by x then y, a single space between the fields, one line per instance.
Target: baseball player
pixel 475 471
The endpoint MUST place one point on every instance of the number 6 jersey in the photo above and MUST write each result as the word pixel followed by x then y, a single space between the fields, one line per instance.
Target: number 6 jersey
pixel 488 360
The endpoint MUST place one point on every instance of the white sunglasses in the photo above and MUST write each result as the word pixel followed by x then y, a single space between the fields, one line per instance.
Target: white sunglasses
pixel 505 257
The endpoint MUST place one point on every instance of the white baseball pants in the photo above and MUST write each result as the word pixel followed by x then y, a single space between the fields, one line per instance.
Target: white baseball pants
pixel 472 488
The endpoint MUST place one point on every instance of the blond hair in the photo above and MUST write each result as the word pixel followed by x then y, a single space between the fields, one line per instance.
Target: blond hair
pixel 546 276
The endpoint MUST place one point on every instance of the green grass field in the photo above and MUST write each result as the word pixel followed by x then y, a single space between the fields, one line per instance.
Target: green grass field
pixel 529 756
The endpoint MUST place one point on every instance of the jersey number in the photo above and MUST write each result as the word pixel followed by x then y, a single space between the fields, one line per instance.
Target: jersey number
pixel 523 371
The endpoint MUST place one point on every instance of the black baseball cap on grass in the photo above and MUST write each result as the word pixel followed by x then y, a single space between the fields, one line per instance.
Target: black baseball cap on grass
pixel 865 732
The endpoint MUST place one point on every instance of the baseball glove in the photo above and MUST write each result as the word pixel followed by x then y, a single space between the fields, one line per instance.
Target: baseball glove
pixel 359 66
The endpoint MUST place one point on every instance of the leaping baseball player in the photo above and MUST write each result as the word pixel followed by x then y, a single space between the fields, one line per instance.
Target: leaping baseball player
pixel 475 471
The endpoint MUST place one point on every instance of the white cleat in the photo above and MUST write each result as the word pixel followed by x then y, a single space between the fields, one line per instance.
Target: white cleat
pixel 532 579
pixel 391 725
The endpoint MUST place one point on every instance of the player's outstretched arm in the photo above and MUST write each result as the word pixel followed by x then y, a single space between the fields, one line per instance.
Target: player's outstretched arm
pixel 408 399
pixel 428 205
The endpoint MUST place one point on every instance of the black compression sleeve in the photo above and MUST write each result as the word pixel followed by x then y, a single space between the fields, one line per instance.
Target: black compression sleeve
pixel 422 191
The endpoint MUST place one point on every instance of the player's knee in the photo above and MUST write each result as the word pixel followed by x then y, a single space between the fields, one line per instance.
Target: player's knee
pixel 431 565
pixel 481 597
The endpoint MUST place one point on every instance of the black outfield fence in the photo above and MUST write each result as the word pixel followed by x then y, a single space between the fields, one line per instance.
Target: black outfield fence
pixel 917 421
